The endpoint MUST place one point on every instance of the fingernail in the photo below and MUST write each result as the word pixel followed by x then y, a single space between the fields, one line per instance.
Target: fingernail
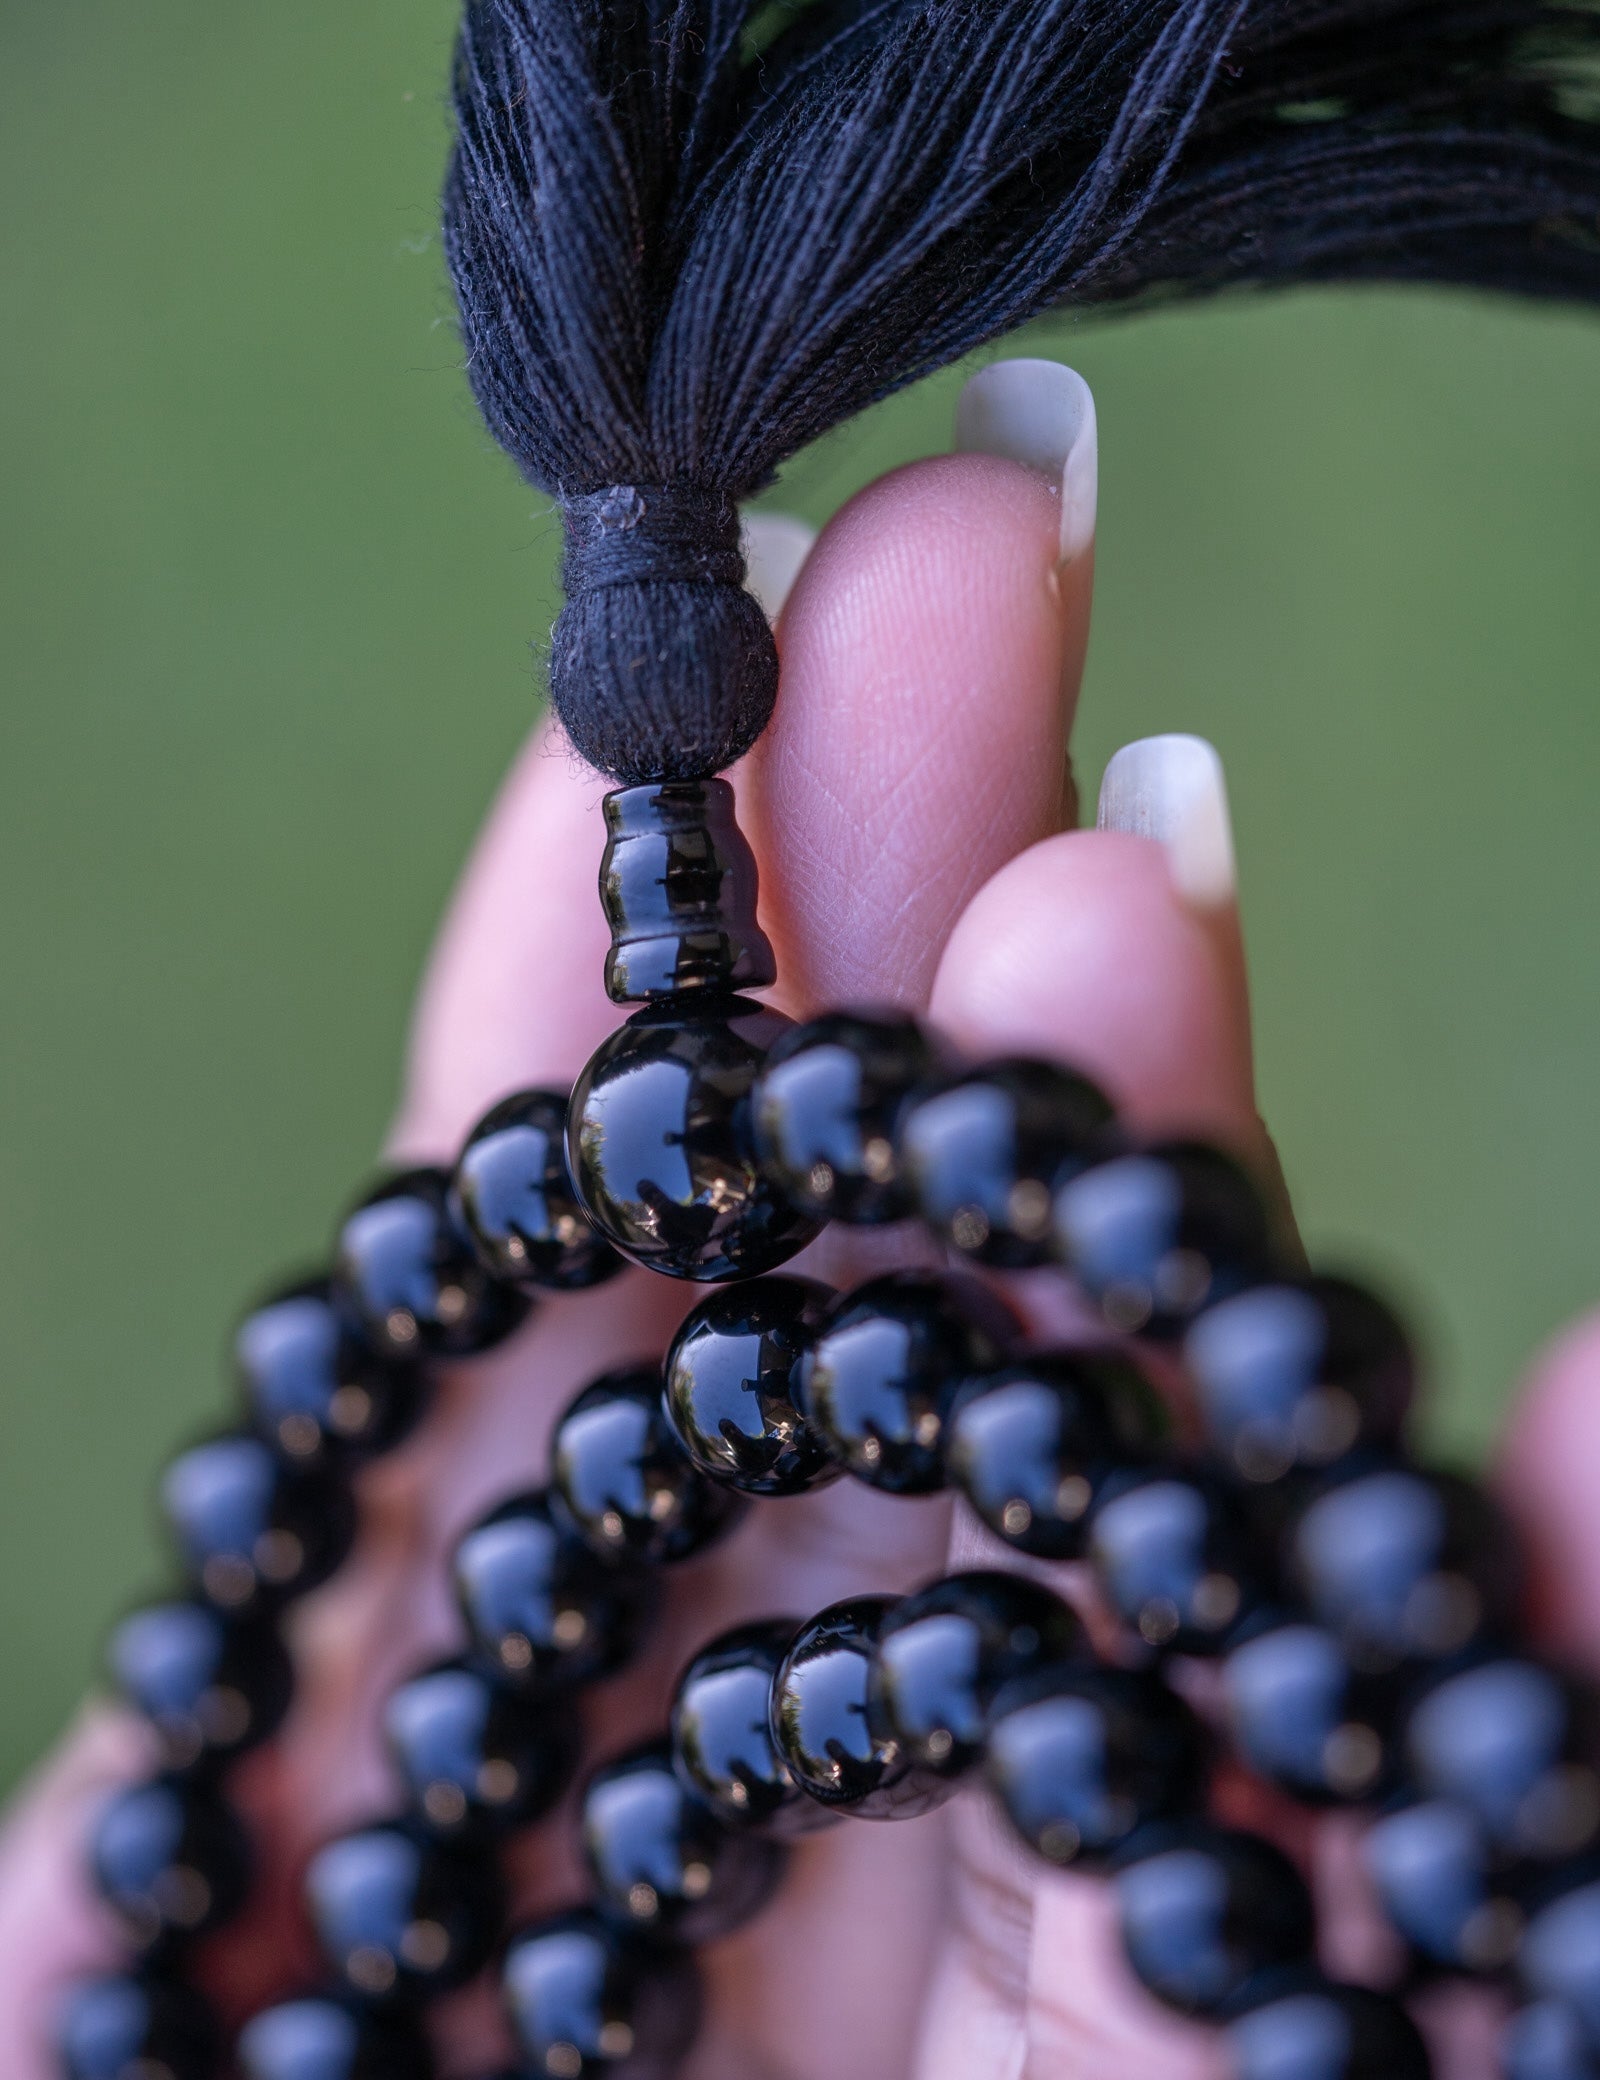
pixel 1172 789
pixel 1040 413
pixel 775 546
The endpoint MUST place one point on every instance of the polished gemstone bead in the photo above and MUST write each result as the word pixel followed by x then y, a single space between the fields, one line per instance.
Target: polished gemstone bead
pixel 678 887
pixel 250 1527
pixel 401 1916
pixel 1206 1909
pixel 171 1858
pixel 984 1151
pixel 661 1147
pixel 1297 1375
pixel 1155 1236
pixel 1171 1556
pixel 589 2001
pixel 413 1279
pixel 1558 1958
pixel 732 1386
pixel 627 1483
pixel 877 1383
pixel 1031 1444
pixel 134 2026
pixel 1081 1757
pixel 661 1860
pixel 476 1754
pixel 722 1739
pixel 1403 1564
pixel 1311 2029
pixel 313 1386
pixel 823 1723
pixel 827 1107
pixel 1546 2041
pixel 945 1651
pixel 511 1195
pixel 542 1608
pixel 325 2039
pixel 211 1686
pixel 1441 1886
pixel 1301 1717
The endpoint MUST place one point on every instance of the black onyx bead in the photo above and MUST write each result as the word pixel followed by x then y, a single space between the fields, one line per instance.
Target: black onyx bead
pixel 540 1606
pixel 678 887
pixel 412 1278
pixel 1031 1445
pixel 1297 1375
pixel 1302 1718
pixel 722 1739
pixel 1205 1910
pixel 401 1916
pixel 877 1383
pixel 944 1652
pixel 511 1195
pixel 661 1860
pixel 211 1686
pixel 324 2039
pixel 132 2026
pixel 312 1385
pixel 626 1482
pixel 1311 2029
pixel 588 2001
pixel 1155 1236
pixel 252 1528
pixel 171 1858
pixel 1171 1555
pixel 827 1108
pixel 1547 2041
pixel 825 1727
pixel 1403 1564
pixel 984 1152
pixel 731 1388
pixel 476 1754
pixel 660 1142
pixel 1441 1886
pixel 1558 1958
pixel 1079 1758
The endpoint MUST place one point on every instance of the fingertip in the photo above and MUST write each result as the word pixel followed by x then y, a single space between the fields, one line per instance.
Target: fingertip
pixel 1548 1470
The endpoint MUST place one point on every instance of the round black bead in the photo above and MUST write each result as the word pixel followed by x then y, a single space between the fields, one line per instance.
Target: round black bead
pixel 1079 1758
pixel 1311 2029
pixel 1206 1909
pixel 944 1652
pixel 1547 2041
pixel 401 1916
pixel 134 2026
pixel 625 1480
pixel 1155 1236
pixel 825 1727
pixel 412 1278
pixel 877 1384
pixel 827 1108
pixel 1558 1958
pixel 661 1147
pixel 312 1385
pixel 171 1858
pixel 1031 1445
pixel 588 2001
pixel 1302 1718
pixel 661 1860
pixel 475 1753
pixel 1171 1555
pixel 324 2039
pixel 250 1527
pixel 211 1686
pixel 1297 1375
pixel 542 1608
pixel 732 1386
pixel 722 1732
pixel 511 1195
pixel 1442 1887
pixel 984 1151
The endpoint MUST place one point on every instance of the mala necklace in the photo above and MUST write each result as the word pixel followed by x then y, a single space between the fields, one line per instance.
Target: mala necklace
pixel 686 239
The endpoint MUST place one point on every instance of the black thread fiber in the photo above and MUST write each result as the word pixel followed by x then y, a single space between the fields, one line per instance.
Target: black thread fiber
pixel 689 236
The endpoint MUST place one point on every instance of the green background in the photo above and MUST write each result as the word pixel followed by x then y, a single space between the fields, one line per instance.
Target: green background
pixel 265 601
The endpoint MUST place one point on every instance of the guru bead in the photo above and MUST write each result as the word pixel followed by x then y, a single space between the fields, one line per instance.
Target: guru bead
pixel 722 1740
pixel 325 2039
pixel 312 1385
pixel 833 1744
pixel 171 1858
pixel 1171 1556
pixel 731 1389
pixel 588 2001
pixel 251 1528
pixel 476 1754
pixel 211 1686
pixel 399 1916
pixel 512 1197
pixel 127 2026
pixel 678 886
pixel 1205 1910
pixel 621 1475
pixel 412 1277
pixel 1311 2029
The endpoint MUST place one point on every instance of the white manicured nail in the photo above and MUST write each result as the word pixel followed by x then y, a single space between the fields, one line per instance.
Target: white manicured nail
pixel 1172 789
pixel 1040 413
pixel 775 546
